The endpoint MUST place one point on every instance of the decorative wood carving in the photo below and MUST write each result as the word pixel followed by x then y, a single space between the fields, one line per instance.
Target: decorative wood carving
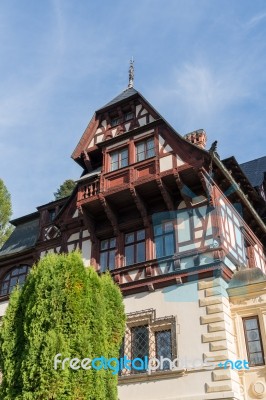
pixel 140 206
pixel 165 194
pixel 109 213
pixel 181 187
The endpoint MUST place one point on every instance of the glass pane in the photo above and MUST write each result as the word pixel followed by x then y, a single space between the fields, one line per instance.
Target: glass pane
pixel 129 238
pixel 129 255
pixel 254 347
pixel 140 344
pixel 141 156
pixel 140 252
pixel 124 158
pixel 253 335
pixel 150 144
pixel 103 261
pixel 112 243
pixel 104 244
pixel 158 230
pixel 111 259
pixel 169 244
pixel 141 234
pixel 159 247
pixel 168 227
pixel 251 323
pixel 114 157
pixel 15 272
pixel 23 269
pixel 256 359
pixel 164 347
pixel 114 166
pixel 150 153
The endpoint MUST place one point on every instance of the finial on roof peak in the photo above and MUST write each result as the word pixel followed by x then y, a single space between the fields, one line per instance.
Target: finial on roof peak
pixel 131 74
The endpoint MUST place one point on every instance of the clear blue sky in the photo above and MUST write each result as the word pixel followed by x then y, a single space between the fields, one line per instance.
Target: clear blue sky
pixel 202 64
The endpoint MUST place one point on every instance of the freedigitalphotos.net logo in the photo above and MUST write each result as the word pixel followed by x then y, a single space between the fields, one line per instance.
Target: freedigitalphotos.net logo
pixel 144 364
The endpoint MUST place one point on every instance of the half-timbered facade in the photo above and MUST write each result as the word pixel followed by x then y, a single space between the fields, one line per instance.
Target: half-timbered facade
pixel 174 224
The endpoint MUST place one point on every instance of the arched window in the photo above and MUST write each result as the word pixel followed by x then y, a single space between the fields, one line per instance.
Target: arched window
pixel 16 275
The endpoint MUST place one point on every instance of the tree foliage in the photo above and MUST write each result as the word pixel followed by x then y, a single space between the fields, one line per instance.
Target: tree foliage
pixel 65 189
pixel 5 213
pixel 62 308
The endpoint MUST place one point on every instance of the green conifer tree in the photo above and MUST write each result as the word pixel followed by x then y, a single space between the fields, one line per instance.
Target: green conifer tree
pixel 62 308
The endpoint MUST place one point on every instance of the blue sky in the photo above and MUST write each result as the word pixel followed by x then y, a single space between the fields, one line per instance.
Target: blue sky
pixel 201 64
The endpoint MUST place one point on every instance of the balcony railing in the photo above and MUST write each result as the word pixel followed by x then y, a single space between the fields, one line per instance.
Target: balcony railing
pixel 89 189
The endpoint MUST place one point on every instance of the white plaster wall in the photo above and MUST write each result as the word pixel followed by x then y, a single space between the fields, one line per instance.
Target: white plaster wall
pixel 3 307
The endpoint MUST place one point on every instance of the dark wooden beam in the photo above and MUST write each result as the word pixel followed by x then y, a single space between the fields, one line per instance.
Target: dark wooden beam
pixel 109 213
pixel 165 194
pixel 181 186
pixel 88 222
pixel 140 206
pixel 207 189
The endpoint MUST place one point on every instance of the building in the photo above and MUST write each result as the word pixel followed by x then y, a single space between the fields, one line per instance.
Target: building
pixel 183 234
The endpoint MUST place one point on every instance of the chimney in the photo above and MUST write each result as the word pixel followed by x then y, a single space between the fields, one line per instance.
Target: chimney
pixel 198 137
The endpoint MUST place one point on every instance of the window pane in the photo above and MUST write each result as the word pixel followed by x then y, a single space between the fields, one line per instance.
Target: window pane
pixel 129 255
pixel 140 252
pixel 15 272
pixel 150 144
pixel 169 244
pixel 256 359
pixel 253 335
pixel 112 243
pixel 129 238
pixel 140 344
pixel 103 260
pixel 141 234
pixel 254 347
pixel 114 166
pixel 159 247
pixel 111 259
pixel 104 244
pixel 168 227
pixel 251 323
pixel 164 347
pixel 158 230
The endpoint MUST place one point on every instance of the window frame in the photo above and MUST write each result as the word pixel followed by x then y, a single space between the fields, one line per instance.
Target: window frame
pixel 154 325
pixel 256 317
pixel 119 152
pixel 163 237
pixel 144 141
pixel 134 244
pixel 108 250
pixel 9 273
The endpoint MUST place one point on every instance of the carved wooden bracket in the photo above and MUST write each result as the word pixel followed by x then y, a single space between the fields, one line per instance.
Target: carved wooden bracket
pixel 140 206
pixel 88 222
pixel 181 187
pixel 165 194
pixel 207 189
pixel 109 213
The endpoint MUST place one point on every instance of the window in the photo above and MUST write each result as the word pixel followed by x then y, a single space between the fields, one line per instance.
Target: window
pixel 52 214
pixel 116 121
pixel 164 239
pixel 16 276
pixel 147 337
pixel 135 247
pixel 253 341
pixel 119 159
pixel 107 254
pixel 145 149
pixel 128 116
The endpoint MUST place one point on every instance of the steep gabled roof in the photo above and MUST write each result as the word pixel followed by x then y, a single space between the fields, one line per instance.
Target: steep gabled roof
pixel 126 94
pixel 255 170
